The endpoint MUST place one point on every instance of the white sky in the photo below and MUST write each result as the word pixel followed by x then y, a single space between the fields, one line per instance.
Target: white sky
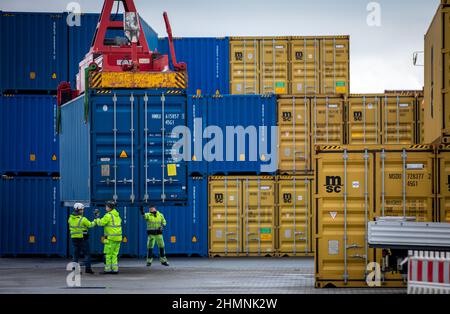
pixel 381 57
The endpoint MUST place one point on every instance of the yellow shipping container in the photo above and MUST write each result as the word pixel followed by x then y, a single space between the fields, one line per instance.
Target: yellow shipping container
pixel 305 65
pixel 274 66
pixel 295 220
pixel 443 183
pixel 327 120
pixel 244 66
pixel 437 76
pixel 335 69
pixel 399 119
pixel 294 140
pixel 364 125
pixel 355 185
pixel 225 211
pixel 241 216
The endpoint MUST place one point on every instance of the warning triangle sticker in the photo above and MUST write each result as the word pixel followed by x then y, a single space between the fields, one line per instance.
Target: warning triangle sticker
pixel 54 157
pixel 125 240
pixel 194 239
pixel 53 239
pixel 194 158
pixel 333 215
pixel 123 154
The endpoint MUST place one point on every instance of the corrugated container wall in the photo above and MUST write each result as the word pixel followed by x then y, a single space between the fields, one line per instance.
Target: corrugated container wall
pixel 32 220
pixel 126 151
pixel 34 51
pixel 28 139
pixel 197 121
pixel 334 65
pixel 186 232
pixel 353 187
pixel 327 120
pixel 242 218
pixel 295 216
pixel 254 150
pixel 437 76
pixel 274 68
pixel 305 65
pixel 81 36
pixel 207 60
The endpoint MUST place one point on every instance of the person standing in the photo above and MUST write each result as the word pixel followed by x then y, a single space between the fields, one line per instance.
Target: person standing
pixel 78 226
pixel 155 226
pixel 112 224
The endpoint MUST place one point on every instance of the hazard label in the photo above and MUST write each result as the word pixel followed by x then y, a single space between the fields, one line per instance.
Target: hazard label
pixel 54 157
pixel 194 239
pixel 53 239
pixel 54 76
pixel 123 154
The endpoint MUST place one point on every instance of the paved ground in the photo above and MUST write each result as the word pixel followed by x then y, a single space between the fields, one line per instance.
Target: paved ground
pixel 184 276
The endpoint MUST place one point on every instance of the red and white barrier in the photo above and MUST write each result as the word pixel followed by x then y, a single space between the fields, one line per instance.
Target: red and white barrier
pixel 429 272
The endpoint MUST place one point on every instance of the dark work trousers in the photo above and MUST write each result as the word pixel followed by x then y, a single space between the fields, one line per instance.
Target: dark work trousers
pixel 81 247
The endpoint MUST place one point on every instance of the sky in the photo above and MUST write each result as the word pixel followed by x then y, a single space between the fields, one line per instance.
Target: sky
pixel 384 34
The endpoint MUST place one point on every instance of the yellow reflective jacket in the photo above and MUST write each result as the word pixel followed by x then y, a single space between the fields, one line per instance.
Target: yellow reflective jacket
pixel 155 222
pixel 78 226
pixel 112 224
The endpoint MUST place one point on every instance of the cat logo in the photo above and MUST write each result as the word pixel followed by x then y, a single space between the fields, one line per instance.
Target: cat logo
pixel 218 197
pixel 239 56
pixel 287 116
pixel 357 116
pixel 299 55
pixel 333 184
pixel 287 198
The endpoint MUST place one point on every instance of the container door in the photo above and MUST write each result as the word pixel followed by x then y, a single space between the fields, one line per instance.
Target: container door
pixel 405 184
pixel 259 216
pixel 293 137
pixel 398 120
pixel 304 63
pixel 334 66
pixel 274 66
pixel 197 121
pixel 294 216
pixel 363 120
pixel 344 206
pixel 327 123
pixel 114 147
pixel 244 66
pixel 225 221
pixel 163 170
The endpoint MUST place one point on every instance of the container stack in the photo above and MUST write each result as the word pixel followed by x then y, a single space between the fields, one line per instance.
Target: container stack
pixel 33 62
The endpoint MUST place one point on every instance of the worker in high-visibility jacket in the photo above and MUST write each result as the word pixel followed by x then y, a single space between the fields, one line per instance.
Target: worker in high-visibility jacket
pixel 78 226
pixel 155 226
pixel 112 224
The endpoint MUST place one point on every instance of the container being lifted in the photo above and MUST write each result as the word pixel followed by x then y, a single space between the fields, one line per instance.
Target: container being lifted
pixel 126 62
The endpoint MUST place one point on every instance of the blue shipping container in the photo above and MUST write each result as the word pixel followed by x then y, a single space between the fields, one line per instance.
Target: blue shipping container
pixel 32 221
pixel 125 152
pixel 208 62
pixel 81 36
pixel 28 139
pixel 186 232
pixel 34 51
pixel 251 145
pixel 130 232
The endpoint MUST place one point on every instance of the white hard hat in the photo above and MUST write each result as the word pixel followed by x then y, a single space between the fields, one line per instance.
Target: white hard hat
pixel 78 206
